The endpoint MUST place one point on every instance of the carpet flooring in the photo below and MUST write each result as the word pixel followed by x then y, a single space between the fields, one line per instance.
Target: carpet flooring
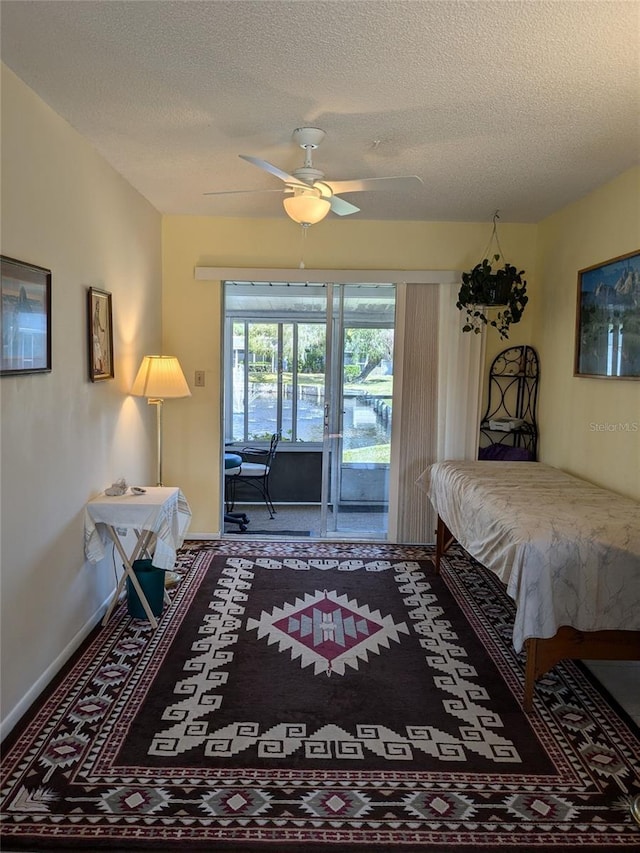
pixel 281 534
pixel 319 697
pixel 292 519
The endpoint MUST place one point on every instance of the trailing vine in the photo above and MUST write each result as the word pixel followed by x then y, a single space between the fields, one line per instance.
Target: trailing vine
pixel 483 287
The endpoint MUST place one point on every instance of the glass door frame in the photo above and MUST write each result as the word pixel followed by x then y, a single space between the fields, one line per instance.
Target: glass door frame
pixel 330 427
pixel 333 466
pixel 330 313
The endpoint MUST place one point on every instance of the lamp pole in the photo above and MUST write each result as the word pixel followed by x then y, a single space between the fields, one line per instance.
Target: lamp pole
pixel 157 402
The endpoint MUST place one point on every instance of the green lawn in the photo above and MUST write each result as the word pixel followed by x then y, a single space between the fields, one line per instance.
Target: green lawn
pixel 374 453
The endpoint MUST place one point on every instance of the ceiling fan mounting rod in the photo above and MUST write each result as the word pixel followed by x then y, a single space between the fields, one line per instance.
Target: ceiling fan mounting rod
pixel 308 138
pixel 308 164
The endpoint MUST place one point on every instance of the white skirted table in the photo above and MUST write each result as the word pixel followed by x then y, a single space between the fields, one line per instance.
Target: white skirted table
pixel 159 518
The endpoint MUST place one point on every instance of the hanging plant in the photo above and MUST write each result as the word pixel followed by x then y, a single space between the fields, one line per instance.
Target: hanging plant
pixel 502 289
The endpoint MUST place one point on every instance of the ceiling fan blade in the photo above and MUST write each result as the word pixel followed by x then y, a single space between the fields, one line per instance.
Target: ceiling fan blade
pixel 239 192
pixel 404 182
pixel 342 207
pixel 272 170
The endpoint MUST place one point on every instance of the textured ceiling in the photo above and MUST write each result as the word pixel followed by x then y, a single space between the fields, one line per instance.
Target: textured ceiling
pixel 516 106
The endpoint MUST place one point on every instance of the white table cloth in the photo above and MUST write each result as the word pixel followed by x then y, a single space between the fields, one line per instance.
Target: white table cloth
pixel 159 518
pixel 162 510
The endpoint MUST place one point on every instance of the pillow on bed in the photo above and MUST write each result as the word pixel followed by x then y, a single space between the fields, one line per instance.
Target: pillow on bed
pixel 504 453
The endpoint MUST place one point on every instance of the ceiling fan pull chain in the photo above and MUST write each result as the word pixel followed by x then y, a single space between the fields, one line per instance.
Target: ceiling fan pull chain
pixel 303 237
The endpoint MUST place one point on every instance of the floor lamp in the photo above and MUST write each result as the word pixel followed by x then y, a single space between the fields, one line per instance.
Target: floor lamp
pixel 160 377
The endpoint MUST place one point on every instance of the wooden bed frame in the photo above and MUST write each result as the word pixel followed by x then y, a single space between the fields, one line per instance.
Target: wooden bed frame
pixel 543 654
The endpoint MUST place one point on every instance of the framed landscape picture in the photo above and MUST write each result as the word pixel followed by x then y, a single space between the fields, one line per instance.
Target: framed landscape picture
pixel 608 319
pixel 25 317
pixel 100 335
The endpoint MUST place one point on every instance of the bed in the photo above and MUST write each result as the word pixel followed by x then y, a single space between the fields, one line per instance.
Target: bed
pixel 567 551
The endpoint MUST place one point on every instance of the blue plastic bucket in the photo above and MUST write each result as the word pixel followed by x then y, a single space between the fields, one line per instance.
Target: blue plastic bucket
pixel 151 579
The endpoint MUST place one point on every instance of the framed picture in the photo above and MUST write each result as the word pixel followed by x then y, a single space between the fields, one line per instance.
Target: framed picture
pixel 100 335
pixel 608 319
pixel 25 317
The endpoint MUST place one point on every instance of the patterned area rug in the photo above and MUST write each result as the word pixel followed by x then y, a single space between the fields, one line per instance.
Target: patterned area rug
pixel 319 697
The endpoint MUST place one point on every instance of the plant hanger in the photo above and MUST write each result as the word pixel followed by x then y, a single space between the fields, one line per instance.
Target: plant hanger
pixel 484 288
pixel 494 237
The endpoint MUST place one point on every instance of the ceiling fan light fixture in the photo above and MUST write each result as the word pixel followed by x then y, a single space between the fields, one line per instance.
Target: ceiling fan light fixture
pixel 306 208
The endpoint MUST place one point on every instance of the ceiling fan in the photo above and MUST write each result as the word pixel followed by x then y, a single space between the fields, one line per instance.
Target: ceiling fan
pixel 309 197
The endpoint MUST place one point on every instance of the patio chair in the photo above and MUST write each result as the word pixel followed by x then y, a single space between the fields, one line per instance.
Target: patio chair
pixel 232 465
pixel 255 470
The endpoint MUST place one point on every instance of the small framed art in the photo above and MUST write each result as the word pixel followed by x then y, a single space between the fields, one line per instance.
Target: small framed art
pixel 25 317
pixel 608 319
pixel 100 335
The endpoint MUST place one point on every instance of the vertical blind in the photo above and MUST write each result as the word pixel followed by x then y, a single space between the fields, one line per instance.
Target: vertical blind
pixel 419 418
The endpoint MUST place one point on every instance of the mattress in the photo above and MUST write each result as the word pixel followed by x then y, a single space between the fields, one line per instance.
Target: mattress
pixel 567 551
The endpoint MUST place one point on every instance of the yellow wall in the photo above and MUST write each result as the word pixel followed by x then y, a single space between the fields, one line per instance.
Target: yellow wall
pixel 192 318
pixel 601 226
pixel 64 439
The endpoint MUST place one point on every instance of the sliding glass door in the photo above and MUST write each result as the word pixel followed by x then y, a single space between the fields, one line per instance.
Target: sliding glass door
pixel 314 363
pixel 358 418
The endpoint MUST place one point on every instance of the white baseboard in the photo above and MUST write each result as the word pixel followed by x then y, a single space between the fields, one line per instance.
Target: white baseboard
pixel 8 723
pixel 13 717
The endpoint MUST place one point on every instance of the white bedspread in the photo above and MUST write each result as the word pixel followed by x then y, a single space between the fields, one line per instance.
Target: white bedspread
pixel 568 551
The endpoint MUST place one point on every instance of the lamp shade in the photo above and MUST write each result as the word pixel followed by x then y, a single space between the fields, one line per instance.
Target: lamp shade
pixel 307 208
pixel 160 376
